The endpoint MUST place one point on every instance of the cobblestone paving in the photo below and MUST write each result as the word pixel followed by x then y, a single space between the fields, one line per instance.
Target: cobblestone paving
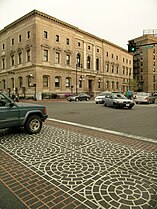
pixel 97 172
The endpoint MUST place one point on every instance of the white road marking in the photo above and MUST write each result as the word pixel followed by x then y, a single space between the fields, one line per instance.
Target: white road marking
pixel 105 130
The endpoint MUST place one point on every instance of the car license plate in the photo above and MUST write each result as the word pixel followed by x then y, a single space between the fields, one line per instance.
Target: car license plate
pixel 127 105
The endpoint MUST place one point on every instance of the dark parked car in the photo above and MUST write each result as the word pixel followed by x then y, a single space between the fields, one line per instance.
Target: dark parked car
pixel 118 100
pixel 79 97
pixel 29 116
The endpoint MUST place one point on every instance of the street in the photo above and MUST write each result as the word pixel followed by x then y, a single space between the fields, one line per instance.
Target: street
pixel 141 120
pixel 75 167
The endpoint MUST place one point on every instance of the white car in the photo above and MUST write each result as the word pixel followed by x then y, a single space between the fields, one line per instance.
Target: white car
pixel 118 100
pixel 100 98
pixel 144 97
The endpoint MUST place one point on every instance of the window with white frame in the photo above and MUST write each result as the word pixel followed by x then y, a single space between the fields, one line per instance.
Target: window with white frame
pixel 57 58
pixel 45 55
pixel 45 81
pixel 68 59
pixel 67 82
pixel 57 82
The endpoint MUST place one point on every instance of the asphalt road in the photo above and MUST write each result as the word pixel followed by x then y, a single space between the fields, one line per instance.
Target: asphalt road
pixel 141 120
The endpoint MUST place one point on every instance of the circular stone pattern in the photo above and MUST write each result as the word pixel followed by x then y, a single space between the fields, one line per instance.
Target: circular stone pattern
pixel 123 191
pixel 72 171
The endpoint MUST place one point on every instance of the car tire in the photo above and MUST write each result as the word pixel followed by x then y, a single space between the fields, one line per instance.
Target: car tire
pixel 33 124
pixel 114 105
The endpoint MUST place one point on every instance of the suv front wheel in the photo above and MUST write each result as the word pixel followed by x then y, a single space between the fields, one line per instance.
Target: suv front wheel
pixel 33 124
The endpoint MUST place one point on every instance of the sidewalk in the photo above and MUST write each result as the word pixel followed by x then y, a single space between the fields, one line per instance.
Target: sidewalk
pixel 76 168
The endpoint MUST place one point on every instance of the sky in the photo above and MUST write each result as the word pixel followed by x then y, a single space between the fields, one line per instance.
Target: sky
pixel 117 21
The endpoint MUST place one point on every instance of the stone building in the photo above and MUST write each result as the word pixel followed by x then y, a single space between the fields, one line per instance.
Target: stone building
pixel 43 55
pixel 145 63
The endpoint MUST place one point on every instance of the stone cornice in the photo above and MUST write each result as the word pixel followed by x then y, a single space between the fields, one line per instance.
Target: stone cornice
pixel 43 15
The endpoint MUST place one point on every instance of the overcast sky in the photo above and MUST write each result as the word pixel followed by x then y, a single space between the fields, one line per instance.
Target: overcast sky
pixel 114 20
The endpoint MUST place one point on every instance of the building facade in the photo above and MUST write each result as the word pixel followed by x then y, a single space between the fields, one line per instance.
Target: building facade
pixel 43 55
pixel 145 63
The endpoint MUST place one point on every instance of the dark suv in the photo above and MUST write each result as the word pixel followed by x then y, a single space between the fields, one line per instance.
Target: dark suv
pixel 29 116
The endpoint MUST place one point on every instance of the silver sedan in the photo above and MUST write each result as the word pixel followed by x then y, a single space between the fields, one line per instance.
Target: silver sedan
pixel 118 100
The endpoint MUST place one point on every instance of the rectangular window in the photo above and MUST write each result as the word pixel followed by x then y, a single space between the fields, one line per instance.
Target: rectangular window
pixel 12 59
pixel 117 85
pixel 57 82
pixel 45 81
pixel 45 55
pixel 3 46
pixel 79 44
pixel 68 59
pixel 45 34
pixel 28 56
pixel 57 57
pixel 67 41
pixel 57 38
pixel 28 34
pixel 107 67
pixel 117 70
pixel 123 70
pixel 3 63
pixel 112 70
pixel 20 57
pixel 20 38
pixel 12 41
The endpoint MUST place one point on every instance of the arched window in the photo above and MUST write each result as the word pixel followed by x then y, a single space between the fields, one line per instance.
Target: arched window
pixel 67 81
pixel 57 81
pixel 88 62
pixel 45 81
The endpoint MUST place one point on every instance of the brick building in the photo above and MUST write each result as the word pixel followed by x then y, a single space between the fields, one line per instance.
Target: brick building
pixel 145 63
pixel 42 54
